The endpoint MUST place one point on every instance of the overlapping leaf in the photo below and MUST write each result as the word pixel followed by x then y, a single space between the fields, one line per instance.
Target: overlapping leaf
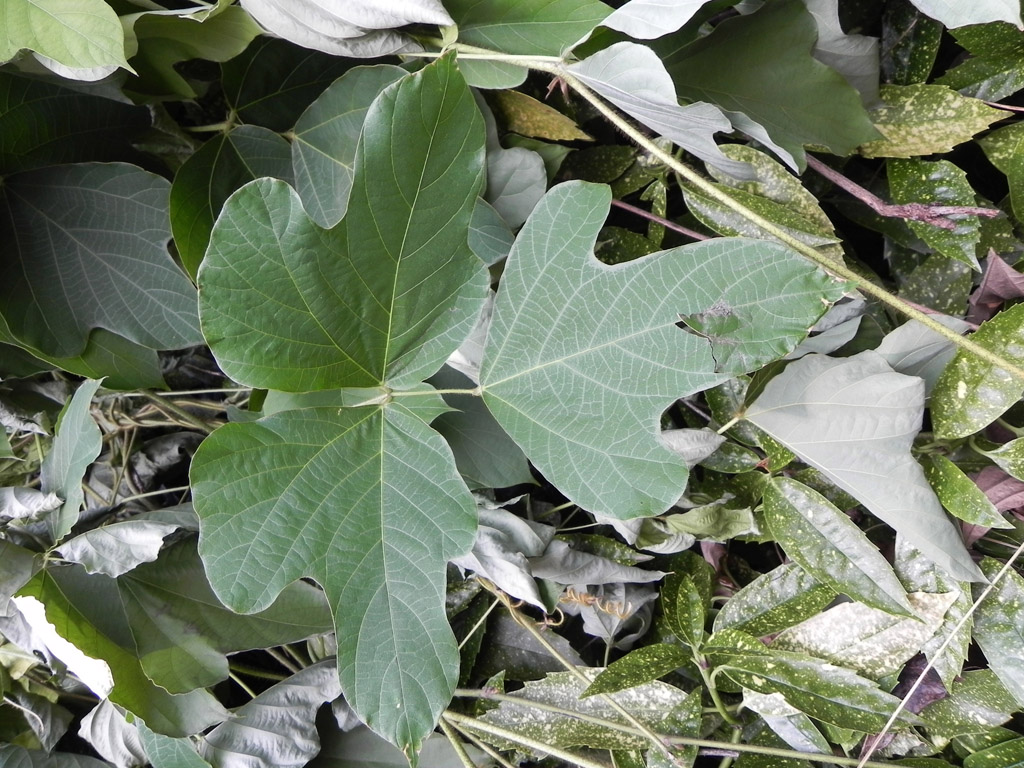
pixel 533 27
pixel 582 358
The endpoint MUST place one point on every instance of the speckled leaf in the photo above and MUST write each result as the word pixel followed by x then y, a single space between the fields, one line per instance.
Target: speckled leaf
pixel 791 725
pixel 939 283
pixel 683 609
pixel 871 642
pixel 995 69
pixel 919 574
pixel 959 494
pixel 639 667
pixel 954 14
pixel 526 116
pixel 925 119
pixel 657 705
pixel 569 330
pixel 1006 754
pixel 784 596
pixel 999 628
pixel 1009 456
pixel 972 393
pixel 830 546
pixel 855 420
pixel 832 694
pixel 976 702
pixel 910 42
pixel 1005 150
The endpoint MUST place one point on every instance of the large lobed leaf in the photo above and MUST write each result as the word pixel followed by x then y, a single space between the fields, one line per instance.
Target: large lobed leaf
pixel 581 358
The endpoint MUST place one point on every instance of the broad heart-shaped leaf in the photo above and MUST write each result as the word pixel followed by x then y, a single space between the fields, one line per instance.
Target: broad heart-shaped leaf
pixel 212 174
pixel 532 27
pixel 789 98
pixel 81 34
pixel 44 124
pixel 366 501
pixel 87 248
pixel 387 294
pixel 954 14
pixel 582 358
pixel 855 419
pixel 830 546
pixel 971 393
pixel 326 136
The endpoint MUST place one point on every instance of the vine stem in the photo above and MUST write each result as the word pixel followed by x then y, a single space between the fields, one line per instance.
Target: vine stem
pixel 456 742
pixel 164 404
pixel 538 746
pixel 864 760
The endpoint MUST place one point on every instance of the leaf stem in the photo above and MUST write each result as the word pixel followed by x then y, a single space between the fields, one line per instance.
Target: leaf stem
pixel 456 742
pixel 474 392
pixel 163 403
pixel 148 494
pixel 660 220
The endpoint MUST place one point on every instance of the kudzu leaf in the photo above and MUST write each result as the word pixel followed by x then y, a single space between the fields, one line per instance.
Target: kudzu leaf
pixel 308 308
pixel 717 522
pixel 646 19
pixel 784 596
pixel 971 393
pixel 17 566
pixel 516 177
pixel 854 419
pixel 371 506
pixel 26 503
pixel 326 135
pixel 727 68
pixel 871 642
pixel 633 78
pixel 855 57
pixel 14 755
pixel 639 667
pixel 88 249
pixel 489 235
pixel 167 751
pixel 830 546
pixel 107 731
pixel 362 748
pixel 953 14
pixel 939 182
pixel 924 119
pixel 75 447
pixel 77 34
pixel 959 494
pixel 568 330
pixel 916 350
pixel 117 548
pixel 212 174
pixel 999 628
pixel 530 27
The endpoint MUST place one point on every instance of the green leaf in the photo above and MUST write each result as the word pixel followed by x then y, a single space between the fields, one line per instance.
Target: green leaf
pixel 953 14
pixel 788 722
pixel 633 78
pixel 657 705
pixel 832 694
pixel 910 43
pixel 278 727
pixel 854 419
pixel 924 119
pixel 325 139
pixel 639 667
pixel 273 81
pixel 684 610
pixel 999 628
pixel 830 546
pixel 168 752
pixel 938 182
pixel 81 34
pixel 996 67
pixel 972 393
pixel 489 235
pixel 75 447
pixel 19 757
pixel 524 115
pixel 784 596
pixel 326 313
pixel 516 177
pixel 727 68
pixel 17 566
pixel 372 506
pixel 43 124
pixel 549 347
pixel 530 27
pixel 88 612
pixel 976 703
pixel 1009 456
pixel 362 748
pixel 871 642
pixel 88 249
pixel 717 522
pixel 960 495
pixel 118 547
pixel 165 40
pixel 1005 150
pixel 212 174
pixel 1007 754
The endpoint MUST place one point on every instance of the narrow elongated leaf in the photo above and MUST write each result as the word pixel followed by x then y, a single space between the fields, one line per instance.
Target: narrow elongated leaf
pixel 88 249
pixel 953 14
pixel 309 308
pixel 639 667
pixel 532 27
pixel 854 419
pixel 960 495
pixel 791 725
pixel 80 34
pixel 326 136
pixel 830 546
pixel 75 447
pixel 971 393
pixel 568 330
pixel 924 119
pixel 999 628
pixel 372 507
pixel 788 98
pixel 208 178
pixel 1006 754
pixel 773 601
pixel 633 78
pixel 277 729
